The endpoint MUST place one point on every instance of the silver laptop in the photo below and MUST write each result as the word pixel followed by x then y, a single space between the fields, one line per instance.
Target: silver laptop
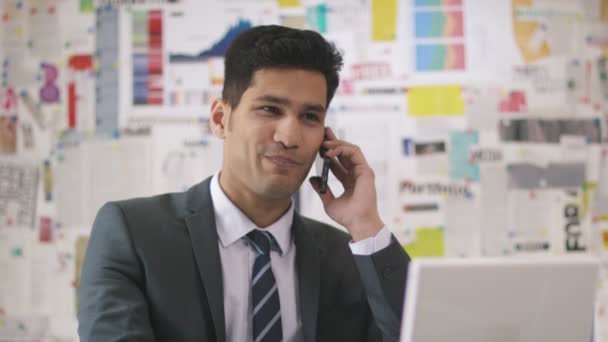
pixel 500 300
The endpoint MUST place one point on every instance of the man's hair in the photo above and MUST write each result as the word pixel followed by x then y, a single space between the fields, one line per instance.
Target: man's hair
pixel 276 46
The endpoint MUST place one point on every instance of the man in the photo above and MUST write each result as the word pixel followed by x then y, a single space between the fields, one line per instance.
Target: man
pixel 230 259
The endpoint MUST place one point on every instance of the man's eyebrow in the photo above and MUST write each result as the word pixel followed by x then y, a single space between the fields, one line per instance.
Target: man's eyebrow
pixel 287 102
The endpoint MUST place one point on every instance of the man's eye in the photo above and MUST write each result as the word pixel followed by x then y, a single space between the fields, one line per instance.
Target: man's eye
pixel 311 117
pixel 270 109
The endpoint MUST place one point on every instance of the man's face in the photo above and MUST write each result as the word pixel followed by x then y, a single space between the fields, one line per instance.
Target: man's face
pixel 275 132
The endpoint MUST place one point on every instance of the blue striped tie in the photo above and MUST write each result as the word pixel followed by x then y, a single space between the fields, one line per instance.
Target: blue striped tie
pixel 264 293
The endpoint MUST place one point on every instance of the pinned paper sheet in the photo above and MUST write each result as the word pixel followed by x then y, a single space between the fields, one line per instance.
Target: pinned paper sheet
pixel 384 20
pixel 428 242
pixel 435 101
pixel 317 18
pixel 540 31
pixel 461 166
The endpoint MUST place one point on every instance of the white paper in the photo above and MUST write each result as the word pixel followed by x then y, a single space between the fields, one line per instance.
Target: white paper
pixel 71 185
pixel 462 227
pixel 44 30
pixel 14 267
pixel 185 154
pixel 493 202
pixel 528 220
pixel 482 107
pixel 121 169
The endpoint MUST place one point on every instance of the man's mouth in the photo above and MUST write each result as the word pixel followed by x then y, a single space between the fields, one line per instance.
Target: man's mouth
pixel 284 161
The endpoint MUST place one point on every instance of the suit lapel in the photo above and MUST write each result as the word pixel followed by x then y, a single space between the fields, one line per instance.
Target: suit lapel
pixel 308 263
pixel 203 234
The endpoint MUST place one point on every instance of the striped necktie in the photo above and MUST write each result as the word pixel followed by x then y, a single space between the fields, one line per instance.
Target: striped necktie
pixel 264 293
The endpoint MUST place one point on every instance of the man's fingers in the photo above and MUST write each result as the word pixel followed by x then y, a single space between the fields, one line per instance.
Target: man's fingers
pixel 329 133
pixel 349 156
pixel 339 171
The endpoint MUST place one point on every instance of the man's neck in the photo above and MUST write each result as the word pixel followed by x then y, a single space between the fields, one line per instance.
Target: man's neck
pixel 261 211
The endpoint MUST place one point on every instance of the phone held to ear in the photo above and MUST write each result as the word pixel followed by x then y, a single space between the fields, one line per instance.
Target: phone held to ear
pixel 324 171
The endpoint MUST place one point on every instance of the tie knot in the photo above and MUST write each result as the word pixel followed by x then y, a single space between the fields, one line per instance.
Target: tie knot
pixel 263 241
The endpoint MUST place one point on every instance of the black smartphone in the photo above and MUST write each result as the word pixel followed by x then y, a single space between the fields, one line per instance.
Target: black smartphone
pixel 324 170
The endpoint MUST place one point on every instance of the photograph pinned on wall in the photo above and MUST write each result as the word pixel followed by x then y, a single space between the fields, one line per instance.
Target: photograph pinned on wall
pixel 549 131
pixel 430 156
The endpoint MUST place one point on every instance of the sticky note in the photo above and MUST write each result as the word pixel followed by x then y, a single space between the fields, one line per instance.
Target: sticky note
pixel 435 101
pixel 86 6
pixel 289 3
pixel 429 242
pixel 384 20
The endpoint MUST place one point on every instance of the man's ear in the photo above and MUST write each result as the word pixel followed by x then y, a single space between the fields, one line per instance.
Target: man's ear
pixel 219 118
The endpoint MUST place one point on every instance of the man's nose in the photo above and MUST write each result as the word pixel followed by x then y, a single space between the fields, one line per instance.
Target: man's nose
pixel 289 132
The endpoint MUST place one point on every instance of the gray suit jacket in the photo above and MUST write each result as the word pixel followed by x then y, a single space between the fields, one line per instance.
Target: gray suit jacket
pixel 152 272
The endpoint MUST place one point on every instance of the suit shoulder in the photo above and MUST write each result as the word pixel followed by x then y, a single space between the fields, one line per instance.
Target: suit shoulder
pixel 169 204
pixel 146 215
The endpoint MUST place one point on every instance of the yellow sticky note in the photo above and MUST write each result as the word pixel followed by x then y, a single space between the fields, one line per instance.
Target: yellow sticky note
pixel 435 101
pixel 289 3
pixel 429 242
pixel 588 191
pixel 384 20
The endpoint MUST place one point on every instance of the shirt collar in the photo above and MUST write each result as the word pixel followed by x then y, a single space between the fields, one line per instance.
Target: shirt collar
pixel 232 224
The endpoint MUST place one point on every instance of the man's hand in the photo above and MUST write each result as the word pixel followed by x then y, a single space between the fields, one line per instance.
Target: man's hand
pixel 356 209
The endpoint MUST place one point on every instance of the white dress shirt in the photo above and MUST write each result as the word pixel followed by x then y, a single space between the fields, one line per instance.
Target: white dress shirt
pixel 237 262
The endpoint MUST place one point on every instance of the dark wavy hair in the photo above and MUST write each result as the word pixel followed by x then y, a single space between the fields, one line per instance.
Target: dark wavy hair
pixel 274 46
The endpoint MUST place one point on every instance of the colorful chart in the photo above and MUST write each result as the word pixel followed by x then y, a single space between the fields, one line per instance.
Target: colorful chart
pixel 434 24
pixel 439 57
pixel 218 49
pixel 147 43
pixel 420 3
